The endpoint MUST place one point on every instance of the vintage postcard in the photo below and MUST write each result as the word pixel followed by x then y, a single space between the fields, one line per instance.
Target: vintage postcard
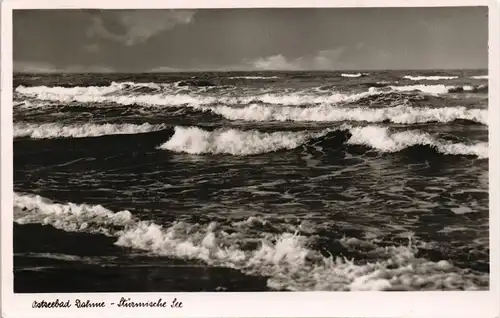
pixel 290 159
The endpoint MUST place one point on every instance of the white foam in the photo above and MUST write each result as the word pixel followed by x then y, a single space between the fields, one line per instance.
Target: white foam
pixel 351 75
pixel 328 113
pixel 435 89
pixel 253 77
pixel 284 258
pixel 69 217
pixel 99 95
pixel 480 77
pixel 429 89
pixel 382 139
pixel 55 130
pixel 429 78
pixel 194 140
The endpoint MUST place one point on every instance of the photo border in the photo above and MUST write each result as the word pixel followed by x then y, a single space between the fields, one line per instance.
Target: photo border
pixel 442 304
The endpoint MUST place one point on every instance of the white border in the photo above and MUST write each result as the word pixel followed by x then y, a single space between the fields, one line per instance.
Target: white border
pixel 269 304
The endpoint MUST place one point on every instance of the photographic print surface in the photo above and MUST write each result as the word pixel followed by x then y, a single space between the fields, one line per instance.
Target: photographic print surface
pixel 251 150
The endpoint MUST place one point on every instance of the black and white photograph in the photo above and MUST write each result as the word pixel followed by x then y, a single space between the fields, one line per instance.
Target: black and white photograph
pixel 250 150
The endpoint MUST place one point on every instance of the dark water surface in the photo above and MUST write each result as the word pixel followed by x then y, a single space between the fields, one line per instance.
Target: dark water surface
pixel 251 181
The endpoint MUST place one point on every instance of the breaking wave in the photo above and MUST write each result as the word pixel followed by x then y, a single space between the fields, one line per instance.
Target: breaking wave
pixel 353 75
pixel 167 95
pixel 194 140
pixel 440 89
pixel 54 130
pixel 108 94
pixel 480 77
pixel 285 258
pixel 327 113
pixel 264 107
pixel 383 140
pixel 253 77
pixel 429 78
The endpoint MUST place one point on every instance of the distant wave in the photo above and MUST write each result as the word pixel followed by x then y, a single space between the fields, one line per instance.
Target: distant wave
pixel 353 75
pixel 194 140
pixel 480 77
pixel 429 78
pixel 440 89
pixel 381 139
pixel 55 130
pixel 253 77
pixel 153 95
pixel 93 94
pixel 286 259
pixel 325 113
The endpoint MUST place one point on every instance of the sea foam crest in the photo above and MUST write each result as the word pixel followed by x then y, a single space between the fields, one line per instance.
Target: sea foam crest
pixel 439 89
pixel 103 95
pixel 194 140
pixel 284 258
pixel 429 78
pixel 383 140
pixel 254 77
pixel 327 113
pixel 55 130
pixel 429 89
pixel 480 77
pixel 352 75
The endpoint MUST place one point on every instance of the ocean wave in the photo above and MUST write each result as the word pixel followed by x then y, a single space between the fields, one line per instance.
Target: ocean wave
pixel 429 78
pixel 440 89
pixel 353 74
pixel 194 140
pixel 327 113
pixel 55 130
pixel 102 95
pixel 286 258
pixel 383 140
pixel 163 96
pixel 480 77
pixel 253 77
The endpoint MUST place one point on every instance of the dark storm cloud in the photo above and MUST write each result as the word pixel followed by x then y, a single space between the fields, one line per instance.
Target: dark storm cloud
pixel 133 27
pixel 250 39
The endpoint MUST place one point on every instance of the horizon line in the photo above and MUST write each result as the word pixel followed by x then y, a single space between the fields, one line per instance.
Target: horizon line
pixel 245 71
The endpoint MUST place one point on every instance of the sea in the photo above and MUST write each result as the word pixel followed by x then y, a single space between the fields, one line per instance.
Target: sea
pixel 251 181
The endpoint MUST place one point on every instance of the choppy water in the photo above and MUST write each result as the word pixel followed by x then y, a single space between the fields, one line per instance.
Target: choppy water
pixel 312 181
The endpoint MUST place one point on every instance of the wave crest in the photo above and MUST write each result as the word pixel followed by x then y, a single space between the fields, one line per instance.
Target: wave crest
pixel 381 139
pixel 54 130
pixel 169 97
pixel 326 113
pixel 253 77
pixel 440 89
pixel 429 78
pixel 286 259
pixel 353 75
pixel 194 140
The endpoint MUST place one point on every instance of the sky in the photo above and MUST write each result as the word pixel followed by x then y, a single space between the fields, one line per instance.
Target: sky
pixel 250 39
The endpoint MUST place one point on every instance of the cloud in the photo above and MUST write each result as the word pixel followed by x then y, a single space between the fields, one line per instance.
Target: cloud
pixel 132 27
pixel 92 48
pixel 322 60
pixel 275 62
pixel 33 67
pixel 163 69
pixel 44 67
pixel 87 69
